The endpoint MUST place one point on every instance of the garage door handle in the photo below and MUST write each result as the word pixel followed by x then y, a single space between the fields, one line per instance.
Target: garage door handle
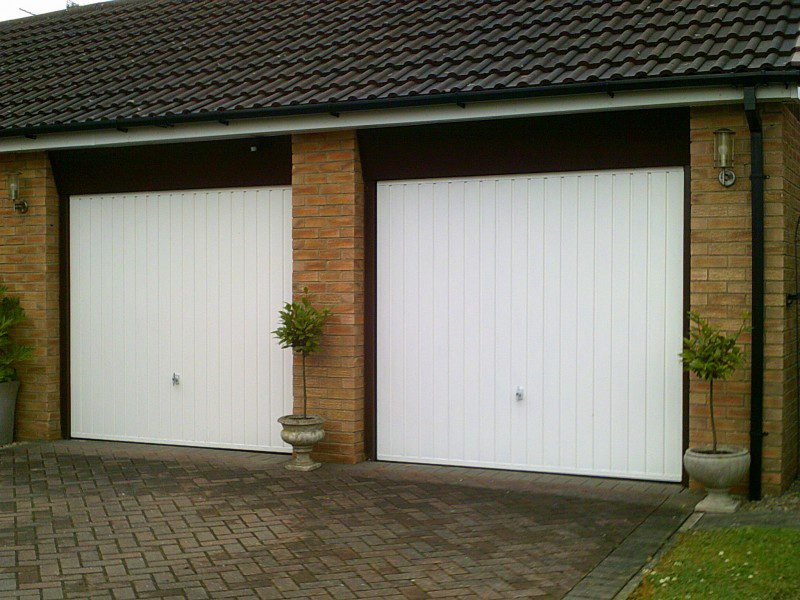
pixel 176 379
pixel 520 394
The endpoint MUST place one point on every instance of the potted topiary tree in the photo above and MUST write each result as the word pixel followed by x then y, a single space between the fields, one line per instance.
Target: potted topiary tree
pixel 711 355
pixel 301 326
pixel 11 353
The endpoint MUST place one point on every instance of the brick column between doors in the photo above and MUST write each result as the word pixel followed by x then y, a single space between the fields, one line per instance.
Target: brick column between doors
pixel 328 258
pixel 29 267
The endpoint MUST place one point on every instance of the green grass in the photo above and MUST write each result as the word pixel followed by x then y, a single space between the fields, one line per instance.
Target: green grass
pixel 747 563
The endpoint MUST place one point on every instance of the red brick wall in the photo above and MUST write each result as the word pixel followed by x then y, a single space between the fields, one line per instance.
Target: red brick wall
pixel 328 242
pixel 784 447
pixel 721 276
pixel 720 267
pixel 29 268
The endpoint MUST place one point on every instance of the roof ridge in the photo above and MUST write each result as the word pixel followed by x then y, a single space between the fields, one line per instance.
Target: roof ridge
pixel 72 10
pixel 640 26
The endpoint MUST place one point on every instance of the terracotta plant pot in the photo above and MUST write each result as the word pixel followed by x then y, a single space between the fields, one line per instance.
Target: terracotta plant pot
pixel 302 433
pixel 8 402
pixel 718 473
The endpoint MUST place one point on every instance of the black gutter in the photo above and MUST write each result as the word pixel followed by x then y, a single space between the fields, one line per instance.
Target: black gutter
pixel 757 344
pixel 606 87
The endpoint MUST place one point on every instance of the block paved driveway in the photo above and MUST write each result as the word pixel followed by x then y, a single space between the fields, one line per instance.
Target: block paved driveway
pixel 81 519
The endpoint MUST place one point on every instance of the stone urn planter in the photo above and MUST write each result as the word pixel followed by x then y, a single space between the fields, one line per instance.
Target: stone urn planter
pixel 301 325
pixel 8 402
pixel 718 472
pixel 302 433
pixel 711 355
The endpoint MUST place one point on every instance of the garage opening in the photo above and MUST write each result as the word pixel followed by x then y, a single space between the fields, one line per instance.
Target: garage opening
pixel 533 322
pixel 172 299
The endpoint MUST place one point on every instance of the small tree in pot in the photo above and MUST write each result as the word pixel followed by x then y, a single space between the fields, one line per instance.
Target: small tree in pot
pixel 301 327
pixel 11 353
pixel 712 355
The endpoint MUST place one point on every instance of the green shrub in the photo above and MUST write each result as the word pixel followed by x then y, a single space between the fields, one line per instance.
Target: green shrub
pixel 711 354
pixel 11 353
pixel 301 330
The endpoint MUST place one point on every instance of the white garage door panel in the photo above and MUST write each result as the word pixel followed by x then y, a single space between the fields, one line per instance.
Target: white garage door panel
pixel 567 285
pixel 184 282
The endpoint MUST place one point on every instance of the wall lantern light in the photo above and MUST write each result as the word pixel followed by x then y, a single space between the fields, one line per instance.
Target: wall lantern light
pixel 21 206
pixel 723 156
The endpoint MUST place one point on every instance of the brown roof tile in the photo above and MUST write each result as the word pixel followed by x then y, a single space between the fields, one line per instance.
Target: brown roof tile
pixel 139 59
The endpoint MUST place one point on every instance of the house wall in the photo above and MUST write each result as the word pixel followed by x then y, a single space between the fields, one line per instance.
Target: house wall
pixel 29 251
pixel 333 177
pixel 721 278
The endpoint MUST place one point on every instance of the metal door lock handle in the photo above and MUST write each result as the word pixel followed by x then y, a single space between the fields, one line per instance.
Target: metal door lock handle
pixel 176 379
pixel 520 394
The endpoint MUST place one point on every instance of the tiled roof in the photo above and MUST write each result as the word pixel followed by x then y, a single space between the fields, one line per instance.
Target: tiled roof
pixel 140 59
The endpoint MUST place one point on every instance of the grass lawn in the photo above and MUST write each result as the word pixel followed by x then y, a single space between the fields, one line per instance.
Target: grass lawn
pixel 747 563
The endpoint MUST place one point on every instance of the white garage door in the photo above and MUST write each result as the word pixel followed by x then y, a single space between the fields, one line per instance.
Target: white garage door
pixel 566 288
pixel 186 283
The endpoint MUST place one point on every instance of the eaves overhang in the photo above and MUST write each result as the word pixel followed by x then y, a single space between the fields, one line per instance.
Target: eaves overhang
pixel 664 92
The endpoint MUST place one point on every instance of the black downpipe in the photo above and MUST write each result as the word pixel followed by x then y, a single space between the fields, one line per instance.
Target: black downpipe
pixel 757 359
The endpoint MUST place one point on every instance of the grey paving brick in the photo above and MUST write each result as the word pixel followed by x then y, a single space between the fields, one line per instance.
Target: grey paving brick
pixel 108 520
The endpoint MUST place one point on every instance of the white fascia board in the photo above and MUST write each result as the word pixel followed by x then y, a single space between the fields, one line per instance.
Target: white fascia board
pixel 527 107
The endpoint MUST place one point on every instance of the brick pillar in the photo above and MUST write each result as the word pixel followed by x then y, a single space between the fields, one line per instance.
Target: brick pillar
pixel 782 199
pixel 721 263
pixel 29 267
pixel 721 275
pixel 328 242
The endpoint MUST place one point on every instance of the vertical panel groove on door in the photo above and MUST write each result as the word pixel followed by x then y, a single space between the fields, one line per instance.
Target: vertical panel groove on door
pixel 568 286
pixel 186 282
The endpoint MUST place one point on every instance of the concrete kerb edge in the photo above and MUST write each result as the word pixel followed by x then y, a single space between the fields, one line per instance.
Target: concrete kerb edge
pixel 634 581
